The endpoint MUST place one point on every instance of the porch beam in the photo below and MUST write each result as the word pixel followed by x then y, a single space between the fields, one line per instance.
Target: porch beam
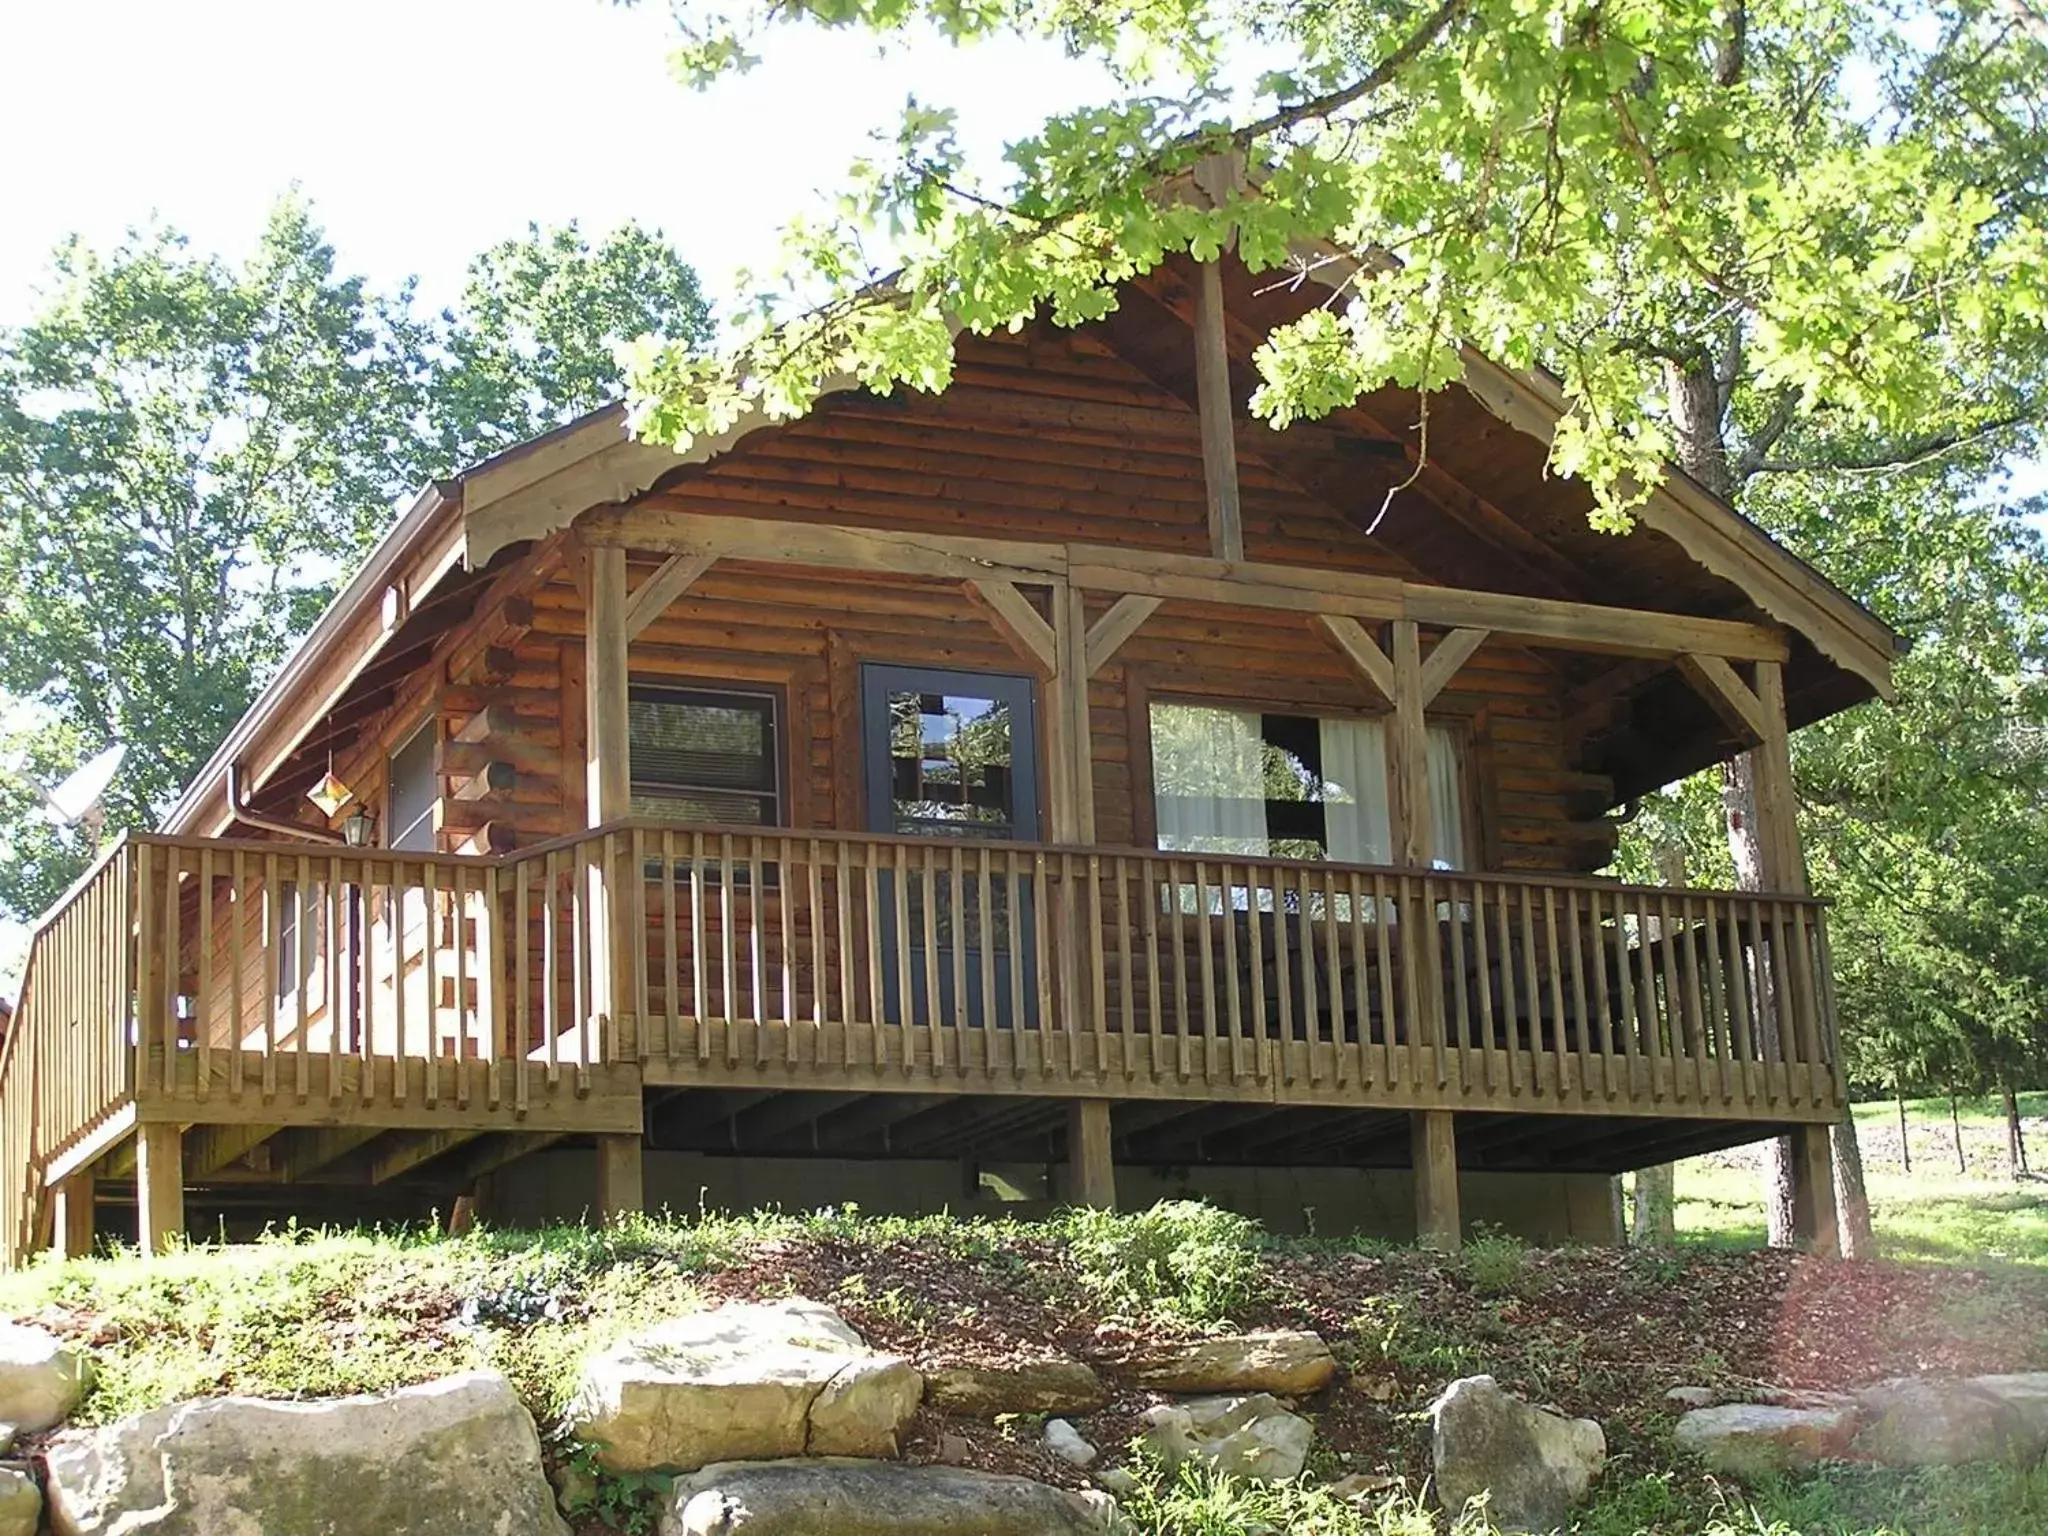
pixel 1213 403
pixel 621 1180
pixel 1017 621
pixel 72 1223
pixel 412 1149
pixel 1542 622
pixel 1361 650
pixel 670 580
pixel 1123 620
pixel 1814 1226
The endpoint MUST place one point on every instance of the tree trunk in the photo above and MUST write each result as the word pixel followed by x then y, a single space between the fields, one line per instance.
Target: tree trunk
pixel 1656 1207
pixel 1905 1145
pixel 1852 1197
pixel 1955 1121
pixel 2015 1136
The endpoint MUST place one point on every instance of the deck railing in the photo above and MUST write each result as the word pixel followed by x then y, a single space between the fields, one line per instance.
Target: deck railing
pixel 65 1068
pixel 187 969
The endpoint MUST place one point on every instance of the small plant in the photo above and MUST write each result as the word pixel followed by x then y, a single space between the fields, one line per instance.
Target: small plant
pixel 1494 1261
pixel 625 1502
pixel 1182 1257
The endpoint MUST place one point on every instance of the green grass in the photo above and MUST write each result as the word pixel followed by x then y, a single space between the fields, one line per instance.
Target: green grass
pixel 1934 1213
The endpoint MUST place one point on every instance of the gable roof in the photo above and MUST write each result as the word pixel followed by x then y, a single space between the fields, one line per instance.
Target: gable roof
pixel 1692 550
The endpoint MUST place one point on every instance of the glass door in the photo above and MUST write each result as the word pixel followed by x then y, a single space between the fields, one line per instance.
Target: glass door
pixel 952 755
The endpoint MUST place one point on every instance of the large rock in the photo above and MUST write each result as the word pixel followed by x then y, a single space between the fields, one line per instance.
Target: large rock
pixel 1926 1421
pixel 1053 1385
pixel 750 1381
pixel 1286 1361
pixel 1753 1440
pixel 1252 1437
pixel 456 1457
pixel 21 1502
pixel 1532 1464
pixel 875 1498
pixel 2027 1392
pixel 41 1378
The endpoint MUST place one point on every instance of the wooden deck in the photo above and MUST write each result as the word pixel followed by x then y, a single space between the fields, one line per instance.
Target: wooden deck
pixel 241 991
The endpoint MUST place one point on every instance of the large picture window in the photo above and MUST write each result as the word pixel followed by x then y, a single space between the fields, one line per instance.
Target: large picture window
pixel 1243 781
pixel 705 755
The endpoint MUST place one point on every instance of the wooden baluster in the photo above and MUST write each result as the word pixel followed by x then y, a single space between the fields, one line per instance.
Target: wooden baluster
pixel 1303 944
pixel 1765 1003
pixel 700 950
pixel 671 953
pixel 821 951
pixel 1361 978
pixel 1255 939
pixel 551 967
pixel 202 1002
pixel 1282 1037
pixel 1155 1011
pixel 1624 963
pixel 757 949
pixel 1333 970
pixel 1226 895
pixel 1720 1034
pixel 842 897
pixel 1511 991
pixel 174 959
pixel 636 950
pixel 957 912
pixel 1201 974
pixel 1697 1029
pixel 1824 963
pixel 1649 1012
pixel 728 954
pixel 1489 1025
pixel 1098 969
pixel 1461 993
pixel 788 891
pixel 237 1029
pixel 934 1012
pixel 1560 1055
pixel 1383 955
pixel 1532 989
pixel 302 953
pixel 1788 923
pixel 1041 919
pixel 1673 993
pixel 871 855
pixel 331 965
pixel 522 992
pixel 1127 997
pixel 1015 904
pixel 1580 1013
pixel 992 1035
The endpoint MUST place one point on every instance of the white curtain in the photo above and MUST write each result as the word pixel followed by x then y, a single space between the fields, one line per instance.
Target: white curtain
pixel 1355 791
pixel 1446 800
pixel 1210 785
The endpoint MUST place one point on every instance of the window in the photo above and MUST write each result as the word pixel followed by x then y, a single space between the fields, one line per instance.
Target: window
pixel 1291 786
pixel 411 793
pixel 705 755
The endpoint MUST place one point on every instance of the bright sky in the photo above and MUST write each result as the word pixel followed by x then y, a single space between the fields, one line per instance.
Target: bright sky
pixel 424 130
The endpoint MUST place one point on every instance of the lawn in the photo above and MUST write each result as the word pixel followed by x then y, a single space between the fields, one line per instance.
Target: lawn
pixel 1974 1214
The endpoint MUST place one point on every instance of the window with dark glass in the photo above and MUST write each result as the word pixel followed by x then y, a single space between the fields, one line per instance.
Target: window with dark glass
pixel 705 755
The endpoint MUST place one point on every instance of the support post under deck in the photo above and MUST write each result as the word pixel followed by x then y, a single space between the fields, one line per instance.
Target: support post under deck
pixel 1814 1226
pixel 159 1187
pixel 1435 1148
pixel 1091 1170
pixel 621 1185
pixel 73 1224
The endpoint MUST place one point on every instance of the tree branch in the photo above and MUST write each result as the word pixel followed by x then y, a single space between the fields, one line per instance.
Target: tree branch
pixel 1924 452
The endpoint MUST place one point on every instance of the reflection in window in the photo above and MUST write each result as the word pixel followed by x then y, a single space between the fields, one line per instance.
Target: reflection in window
pixel 950 765
pixel 1238 781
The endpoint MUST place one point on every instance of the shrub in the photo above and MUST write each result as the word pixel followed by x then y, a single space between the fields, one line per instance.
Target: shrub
pixel 1494 1261
pixel 1182 1257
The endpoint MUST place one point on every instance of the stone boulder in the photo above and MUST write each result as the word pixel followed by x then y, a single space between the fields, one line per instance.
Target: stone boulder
pixel 456 1457
pixel 1283 1360
pixel 750 1381
pixel 2027 1392
pixel 1061 1439
pixel 1926 1421
pixel 21 1501
pixel 1052 1385
pixel 1252 1437
pixel 875 1498
pixel 41 1378
pixel 1532 1464
pixel 1753 1440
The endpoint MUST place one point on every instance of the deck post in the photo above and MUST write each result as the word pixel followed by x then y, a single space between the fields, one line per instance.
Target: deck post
pixel 1813 1192
pixel 621 1187
pixel 73 1227
pixel 159 1187
pixel 1091 1169
pixel 607 788
pixel 1435 1154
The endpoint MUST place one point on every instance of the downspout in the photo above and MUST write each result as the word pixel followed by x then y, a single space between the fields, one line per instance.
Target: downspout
pixel 249 818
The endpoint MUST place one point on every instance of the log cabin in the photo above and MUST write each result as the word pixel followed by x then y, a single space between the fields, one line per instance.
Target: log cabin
pixel 1062 787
